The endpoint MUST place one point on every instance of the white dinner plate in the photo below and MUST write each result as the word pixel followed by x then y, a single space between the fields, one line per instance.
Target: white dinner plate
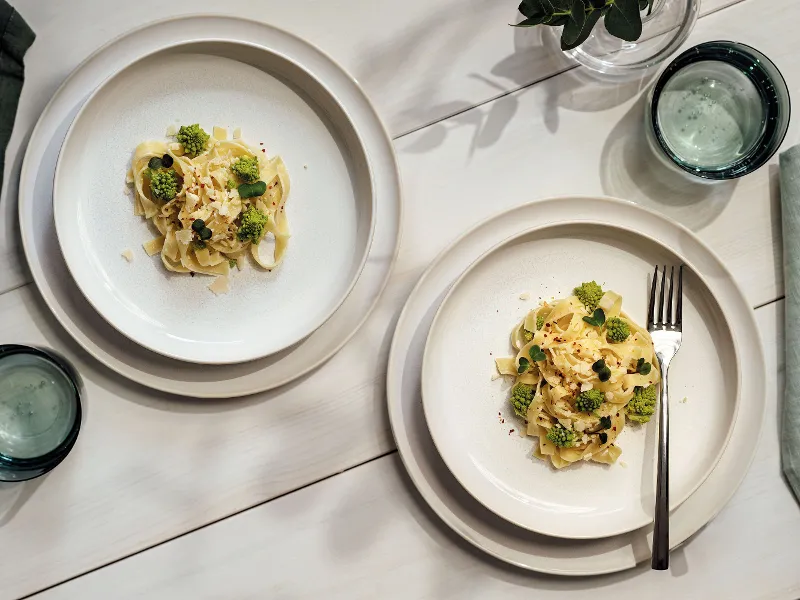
pixel 103 341
pixel 474 426
pixel 281 109
pixel 480 526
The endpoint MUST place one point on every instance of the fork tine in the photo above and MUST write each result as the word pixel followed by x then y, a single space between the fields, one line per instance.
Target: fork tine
pixel 651 311
pixel 661 297
pixel 671 290
pixel 679 307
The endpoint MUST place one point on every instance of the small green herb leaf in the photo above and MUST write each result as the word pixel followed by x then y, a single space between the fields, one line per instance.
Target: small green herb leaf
pixel 605 422
pixel 599 366
pixel 155 163
pixel 251 190
pixel 536 353
pixel 603 438
pixel 643 367
pixel 604 375
pixel 523 365
pixel 597 319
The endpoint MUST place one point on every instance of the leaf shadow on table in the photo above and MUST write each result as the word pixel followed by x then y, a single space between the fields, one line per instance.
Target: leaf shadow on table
pixel 434 42
pixel 629 169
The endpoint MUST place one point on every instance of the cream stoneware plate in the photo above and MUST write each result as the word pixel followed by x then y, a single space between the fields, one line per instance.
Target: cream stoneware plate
pixel 471 519
pixel 476 430
pixel 280 108
pixel 117 351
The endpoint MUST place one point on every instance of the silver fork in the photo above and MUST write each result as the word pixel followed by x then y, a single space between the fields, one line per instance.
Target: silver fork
pixel 666 334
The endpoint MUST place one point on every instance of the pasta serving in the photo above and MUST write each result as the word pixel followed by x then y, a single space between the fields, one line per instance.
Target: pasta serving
pixel 213 201
pixel 582 368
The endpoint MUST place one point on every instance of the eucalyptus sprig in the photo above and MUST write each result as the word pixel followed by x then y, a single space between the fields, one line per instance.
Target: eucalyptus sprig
pixel 622 18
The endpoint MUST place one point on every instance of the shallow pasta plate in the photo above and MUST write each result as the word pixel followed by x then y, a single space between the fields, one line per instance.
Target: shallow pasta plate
pixel 482 527
pixel 281 109
pixel 475 428
pixel 89 329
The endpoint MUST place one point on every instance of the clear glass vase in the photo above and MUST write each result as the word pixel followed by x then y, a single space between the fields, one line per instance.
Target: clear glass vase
pixel 663 32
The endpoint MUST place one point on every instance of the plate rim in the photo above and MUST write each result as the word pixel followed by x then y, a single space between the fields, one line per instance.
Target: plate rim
pixel 632 554
pixel 81 280
pixel 497 248
pixel 128 45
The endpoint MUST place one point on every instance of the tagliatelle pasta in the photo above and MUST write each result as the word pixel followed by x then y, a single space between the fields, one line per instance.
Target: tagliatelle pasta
pixel 204 202
pixel 578 373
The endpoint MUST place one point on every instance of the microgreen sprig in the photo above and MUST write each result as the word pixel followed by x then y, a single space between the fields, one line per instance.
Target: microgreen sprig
pixel 536 354
pixel 602 370
pixel 643 367
pixel 597 319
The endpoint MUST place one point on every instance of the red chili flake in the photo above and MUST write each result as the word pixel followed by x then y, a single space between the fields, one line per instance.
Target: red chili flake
pixel 614 428
pixel 191 273
pixel 498 414
pixel 260 143
pixel 503 421
pixel 510 431
pixel 264 151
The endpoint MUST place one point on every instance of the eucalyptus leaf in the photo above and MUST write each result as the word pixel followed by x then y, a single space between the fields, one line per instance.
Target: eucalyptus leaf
pixel 568 42
pixel 530 21
pixel 577 18
pixel 624 20
pixel 557 20
pixel 532 8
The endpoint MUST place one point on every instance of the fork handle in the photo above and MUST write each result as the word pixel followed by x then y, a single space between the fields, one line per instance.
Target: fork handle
pixel 660 558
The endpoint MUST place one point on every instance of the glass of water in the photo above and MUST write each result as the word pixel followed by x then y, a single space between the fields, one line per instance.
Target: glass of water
pixel 40 411
pixel 718 111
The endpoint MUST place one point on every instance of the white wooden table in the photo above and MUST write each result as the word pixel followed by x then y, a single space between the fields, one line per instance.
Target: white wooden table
pixel 299 493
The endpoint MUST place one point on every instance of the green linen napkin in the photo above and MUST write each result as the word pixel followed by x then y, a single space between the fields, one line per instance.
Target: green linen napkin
pixel 790 211
pixel 15 40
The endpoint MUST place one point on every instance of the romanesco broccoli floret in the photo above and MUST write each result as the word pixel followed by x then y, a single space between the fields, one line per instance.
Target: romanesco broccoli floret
pixel 589 400
pixel 252 225
pixel 521 398
pixel 643 404
pixel 617 330
pixel 193 139
pixel 246 169
pixel 561 436
pixel 164 184
pixel 528 335
pixel 539 322
pixel 589 293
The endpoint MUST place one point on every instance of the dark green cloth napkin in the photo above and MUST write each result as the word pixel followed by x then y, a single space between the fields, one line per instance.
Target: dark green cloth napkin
pixel 15 39
pixel 790 215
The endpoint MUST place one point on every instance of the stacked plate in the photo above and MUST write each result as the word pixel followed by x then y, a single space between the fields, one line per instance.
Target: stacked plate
pixel 457 432
pixel 167 330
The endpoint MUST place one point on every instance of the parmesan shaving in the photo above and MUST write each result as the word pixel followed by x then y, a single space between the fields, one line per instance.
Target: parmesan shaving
pixel 221 285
